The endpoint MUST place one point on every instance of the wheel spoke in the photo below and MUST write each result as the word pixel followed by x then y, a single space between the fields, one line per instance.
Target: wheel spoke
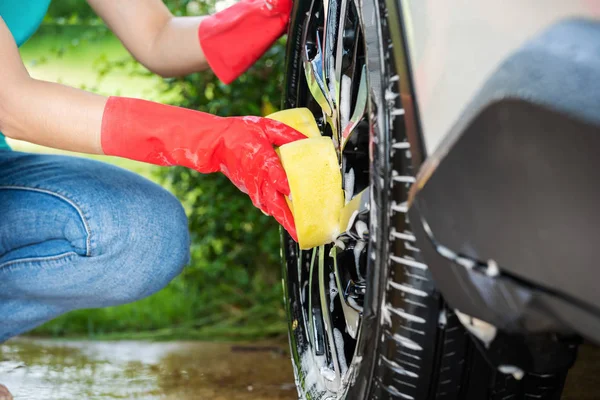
pixel 339 51
pixel 333 380
pixel 331 48
pixel 314 78
pixel 330 52
pixel 315 317
pixel 313 64
pixel 343 83
pixel 359 109
pixel 351 315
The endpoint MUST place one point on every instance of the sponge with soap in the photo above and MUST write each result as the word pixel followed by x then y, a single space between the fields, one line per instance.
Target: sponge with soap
pixel 301 119
pixel 315 180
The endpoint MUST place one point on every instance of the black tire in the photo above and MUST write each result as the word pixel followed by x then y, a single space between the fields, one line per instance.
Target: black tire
pixel 410 344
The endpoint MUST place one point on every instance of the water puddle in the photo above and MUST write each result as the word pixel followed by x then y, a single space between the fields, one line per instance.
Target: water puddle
pixel 63 370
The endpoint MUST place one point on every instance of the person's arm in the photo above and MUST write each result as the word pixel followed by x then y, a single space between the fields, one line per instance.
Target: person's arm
pixel 57 116
pixel 166 45
pixel 229 41
pixel 45 113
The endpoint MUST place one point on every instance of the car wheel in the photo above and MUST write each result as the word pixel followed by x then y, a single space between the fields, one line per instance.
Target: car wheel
pixel 365 319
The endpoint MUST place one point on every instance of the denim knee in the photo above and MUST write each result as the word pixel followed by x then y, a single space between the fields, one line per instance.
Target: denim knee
pixel 146 247
pixel 109 236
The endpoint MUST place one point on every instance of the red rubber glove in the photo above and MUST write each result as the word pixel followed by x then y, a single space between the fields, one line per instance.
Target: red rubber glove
pixel 239 147
pixel 233 39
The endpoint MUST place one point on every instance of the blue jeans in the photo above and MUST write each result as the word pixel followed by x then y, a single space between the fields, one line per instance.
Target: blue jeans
pixel 77 233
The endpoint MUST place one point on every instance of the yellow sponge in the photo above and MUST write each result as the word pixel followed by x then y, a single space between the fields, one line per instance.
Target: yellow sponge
pixel 315 179
pixel 301 119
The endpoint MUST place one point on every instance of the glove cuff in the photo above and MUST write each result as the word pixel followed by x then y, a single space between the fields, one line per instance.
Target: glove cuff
pixel 159 134
pixel 235 38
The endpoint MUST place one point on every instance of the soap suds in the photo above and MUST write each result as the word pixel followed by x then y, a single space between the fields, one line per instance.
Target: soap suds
pixel 403 314
pixel 349 179
pixel 333 291
pixel 339 343
pixel 482 330
pixel 399 369
pixel 492 268
pixel 443 319
pixel 345 96
pixel 406 342
pixel 517 373
pixel 361 229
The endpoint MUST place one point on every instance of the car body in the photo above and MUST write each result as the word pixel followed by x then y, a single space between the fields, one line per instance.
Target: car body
pixel 508 99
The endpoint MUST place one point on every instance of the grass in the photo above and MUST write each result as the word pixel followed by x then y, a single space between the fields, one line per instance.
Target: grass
pixel 179 311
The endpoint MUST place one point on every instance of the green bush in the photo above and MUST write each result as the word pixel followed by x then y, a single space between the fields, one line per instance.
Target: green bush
pixel 235 252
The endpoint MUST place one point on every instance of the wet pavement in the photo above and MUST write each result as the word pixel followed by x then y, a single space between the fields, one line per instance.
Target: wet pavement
pixel 65 370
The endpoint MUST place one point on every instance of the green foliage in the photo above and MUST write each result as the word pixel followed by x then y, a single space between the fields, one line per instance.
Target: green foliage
pixel 79 11
pixel 69 11
pixel 235 252
pixel 232 288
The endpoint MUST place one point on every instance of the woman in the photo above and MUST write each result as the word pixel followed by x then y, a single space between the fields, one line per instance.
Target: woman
pixel 75 233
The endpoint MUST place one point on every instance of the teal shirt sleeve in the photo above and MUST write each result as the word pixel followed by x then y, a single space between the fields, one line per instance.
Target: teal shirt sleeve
pixel 23 18
pixel 3 144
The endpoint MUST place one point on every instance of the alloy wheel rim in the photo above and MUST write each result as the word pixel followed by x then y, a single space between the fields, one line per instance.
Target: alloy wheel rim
pixel 331 279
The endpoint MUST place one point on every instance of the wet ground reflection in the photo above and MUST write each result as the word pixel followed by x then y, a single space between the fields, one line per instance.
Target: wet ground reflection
pixel 62 370
pixel 66 370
